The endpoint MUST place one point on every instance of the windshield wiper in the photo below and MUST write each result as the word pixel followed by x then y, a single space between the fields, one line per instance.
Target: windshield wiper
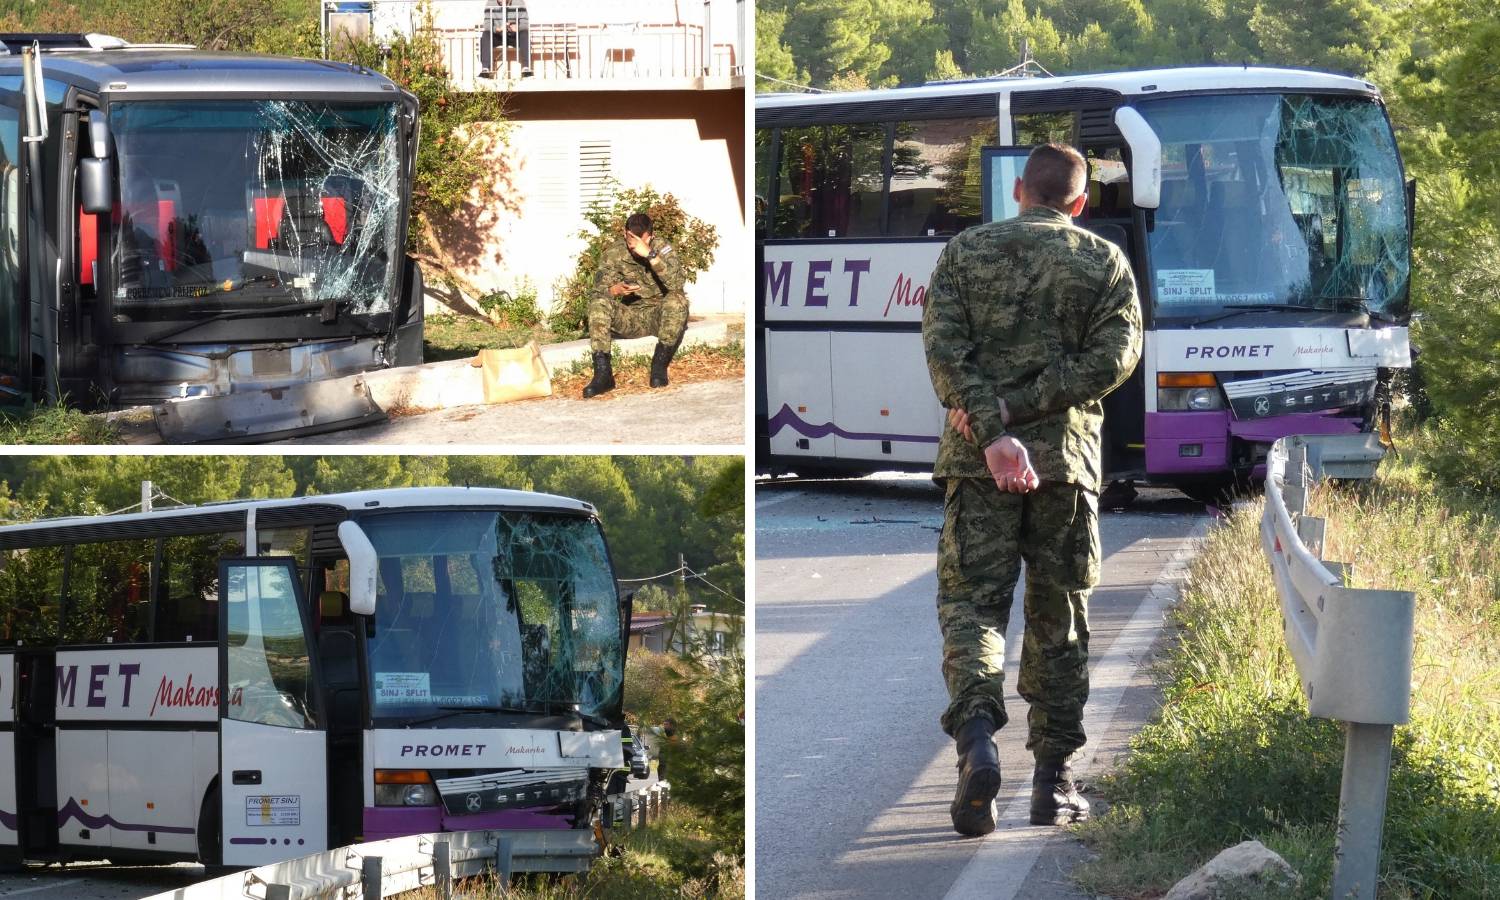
pixel 450 711
pixel 330 310
pixel 1361 305
pixel 1239 309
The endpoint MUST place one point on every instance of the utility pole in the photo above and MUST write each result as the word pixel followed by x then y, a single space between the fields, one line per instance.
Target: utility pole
pixel 147 489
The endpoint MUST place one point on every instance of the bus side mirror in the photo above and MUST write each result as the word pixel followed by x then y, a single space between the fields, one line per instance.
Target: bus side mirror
pixel 94 182
pixel 363 571
pixel 1145 157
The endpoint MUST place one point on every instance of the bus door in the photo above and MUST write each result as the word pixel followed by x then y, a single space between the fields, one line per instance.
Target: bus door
pixel 15 309
pixel 33 749
pixel 273 782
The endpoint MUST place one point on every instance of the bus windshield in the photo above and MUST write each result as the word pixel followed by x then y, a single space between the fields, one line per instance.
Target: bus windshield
pixel 1285 200
pixel 248 204
pixel 493 610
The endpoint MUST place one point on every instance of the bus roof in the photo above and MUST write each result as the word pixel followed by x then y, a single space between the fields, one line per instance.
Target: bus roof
pixel 354 501
pixel 160 72
pixel 1127 84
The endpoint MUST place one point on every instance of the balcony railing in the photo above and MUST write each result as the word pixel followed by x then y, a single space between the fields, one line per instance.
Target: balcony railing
pixel 502 48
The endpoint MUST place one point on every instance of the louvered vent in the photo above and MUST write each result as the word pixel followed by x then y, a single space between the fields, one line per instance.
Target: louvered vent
pixel 594 172
pixel 554 195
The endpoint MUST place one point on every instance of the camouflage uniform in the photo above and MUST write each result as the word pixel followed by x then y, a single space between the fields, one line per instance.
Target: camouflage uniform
pixel 659 307
pixel 1043 315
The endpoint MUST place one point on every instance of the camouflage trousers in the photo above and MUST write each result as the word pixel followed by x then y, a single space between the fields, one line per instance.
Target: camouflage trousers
pixel 986 535
pixel 609 319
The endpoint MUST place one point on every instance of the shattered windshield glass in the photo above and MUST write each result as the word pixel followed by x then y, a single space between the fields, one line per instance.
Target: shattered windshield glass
pixel 493 609
pixel 238 205
pixel 1277 199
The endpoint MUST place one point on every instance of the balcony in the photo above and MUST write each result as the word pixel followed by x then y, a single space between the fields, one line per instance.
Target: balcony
pixel 566 45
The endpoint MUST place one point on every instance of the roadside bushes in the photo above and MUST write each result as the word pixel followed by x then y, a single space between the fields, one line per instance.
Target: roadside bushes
pixel 693 239
pixel 1232 754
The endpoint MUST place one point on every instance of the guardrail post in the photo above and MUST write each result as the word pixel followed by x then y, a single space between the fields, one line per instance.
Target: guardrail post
pixel 644 812
pixel 442 869
pixel 505 849
pixel 370 869
pixel 1295 490
pixel 1367 774
pixel 278 892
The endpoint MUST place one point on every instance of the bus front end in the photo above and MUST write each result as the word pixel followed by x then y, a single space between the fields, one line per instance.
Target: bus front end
pixel 495 659
pixel 1278 265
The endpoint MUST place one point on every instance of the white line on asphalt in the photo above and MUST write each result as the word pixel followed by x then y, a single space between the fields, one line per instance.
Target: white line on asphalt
pixel 763 501
pixel 999 867
pixel 42 887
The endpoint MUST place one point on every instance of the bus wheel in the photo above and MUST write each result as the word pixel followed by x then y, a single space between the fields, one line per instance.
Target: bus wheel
pixel 210 843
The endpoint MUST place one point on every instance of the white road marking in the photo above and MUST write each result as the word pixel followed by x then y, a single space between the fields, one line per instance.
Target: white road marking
pixel 998 869
pixel 42 887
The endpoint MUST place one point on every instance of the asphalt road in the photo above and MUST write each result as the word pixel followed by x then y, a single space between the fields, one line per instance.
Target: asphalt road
pixel 853 774
pixel 702 413
pixel 98 881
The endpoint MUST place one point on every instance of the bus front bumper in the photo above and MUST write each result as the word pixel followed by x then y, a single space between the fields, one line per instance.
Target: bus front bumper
pixel 1213 444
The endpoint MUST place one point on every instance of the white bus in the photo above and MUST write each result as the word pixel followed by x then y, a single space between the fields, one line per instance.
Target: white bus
pixel 246 682
pixel 1265 213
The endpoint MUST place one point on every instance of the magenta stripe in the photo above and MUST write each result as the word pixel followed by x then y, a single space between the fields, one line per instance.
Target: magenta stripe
pixel 788 419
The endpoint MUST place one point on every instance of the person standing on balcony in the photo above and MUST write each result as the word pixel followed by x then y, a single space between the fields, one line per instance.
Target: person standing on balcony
pixel 637 292
pixel 1029 323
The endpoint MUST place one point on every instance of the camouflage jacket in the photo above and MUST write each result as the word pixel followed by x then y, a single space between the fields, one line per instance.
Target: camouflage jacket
pixel 655 278
pixel 1044 315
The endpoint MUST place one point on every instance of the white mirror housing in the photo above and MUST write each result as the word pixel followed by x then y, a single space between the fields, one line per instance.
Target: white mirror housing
pixel 1145 157
pixel 363 571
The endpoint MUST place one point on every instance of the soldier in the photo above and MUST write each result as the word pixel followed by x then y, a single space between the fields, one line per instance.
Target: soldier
pixel 637 292
pixel 1029 323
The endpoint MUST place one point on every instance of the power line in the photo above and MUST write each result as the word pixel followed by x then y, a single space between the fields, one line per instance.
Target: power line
pixel 654 577
pixel 801 87
pixel 715 586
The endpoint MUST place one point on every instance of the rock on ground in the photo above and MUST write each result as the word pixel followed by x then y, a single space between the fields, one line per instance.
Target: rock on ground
pixel 1241 866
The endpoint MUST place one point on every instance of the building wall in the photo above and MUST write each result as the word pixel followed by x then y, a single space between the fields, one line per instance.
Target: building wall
pixel 559 149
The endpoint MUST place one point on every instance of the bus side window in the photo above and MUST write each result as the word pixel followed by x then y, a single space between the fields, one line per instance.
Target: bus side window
pixel 832 181
pixel 187 606
pixel 1036 128
pixel 935 175
pixel 108 593
pixel 269 678
pixel 30 591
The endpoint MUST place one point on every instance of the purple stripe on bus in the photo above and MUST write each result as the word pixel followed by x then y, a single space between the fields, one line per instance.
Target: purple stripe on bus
pixel 1272 428
pixel 247 840
pixel 788 419
pixel 1165 432
pixel 73 811
pixel 8 820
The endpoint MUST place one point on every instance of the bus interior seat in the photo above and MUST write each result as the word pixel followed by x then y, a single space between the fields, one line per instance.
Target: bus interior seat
pixel 1232 230
pixel 1113 233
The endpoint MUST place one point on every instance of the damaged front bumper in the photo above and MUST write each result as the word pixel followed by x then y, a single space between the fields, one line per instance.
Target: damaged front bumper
pixel 226 394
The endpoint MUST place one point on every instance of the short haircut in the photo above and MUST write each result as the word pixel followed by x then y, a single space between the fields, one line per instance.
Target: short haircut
pixel 1055 175
pixel 638 224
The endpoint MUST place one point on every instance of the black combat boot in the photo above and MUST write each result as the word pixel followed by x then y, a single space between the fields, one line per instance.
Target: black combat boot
pixel 659 361
pixel 604 377
pixel 973 808
pixel 1054 797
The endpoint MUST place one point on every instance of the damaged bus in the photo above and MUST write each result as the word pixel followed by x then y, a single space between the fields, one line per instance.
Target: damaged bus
pixel 246 682
pixel 1265 213
pixel 220 235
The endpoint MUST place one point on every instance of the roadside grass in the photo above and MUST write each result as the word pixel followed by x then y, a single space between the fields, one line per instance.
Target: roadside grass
pixel 58 424
pixel 695 362
pixel 459 337
pixel 672 858
pixel 1232 754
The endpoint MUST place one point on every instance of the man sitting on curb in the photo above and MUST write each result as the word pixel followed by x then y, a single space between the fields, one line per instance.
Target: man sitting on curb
pixel 637 292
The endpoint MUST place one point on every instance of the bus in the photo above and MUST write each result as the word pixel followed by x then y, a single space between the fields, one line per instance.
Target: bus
pixel 1265 212
pixel 246 682
pixel 186 226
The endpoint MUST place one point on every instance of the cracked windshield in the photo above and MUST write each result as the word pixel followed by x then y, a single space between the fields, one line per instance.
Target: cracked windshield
pixel 492 610
pixel 1281 200
pixel 230 205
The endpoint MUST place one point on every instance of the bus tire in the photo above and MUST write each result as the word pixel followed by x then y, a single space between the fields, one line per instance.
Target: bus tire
pixel 210 842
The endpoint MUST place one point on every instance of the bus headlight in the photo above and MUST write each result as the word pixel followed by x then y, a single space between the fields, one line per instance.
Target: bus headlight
pixel 404 787
pixel 1198 399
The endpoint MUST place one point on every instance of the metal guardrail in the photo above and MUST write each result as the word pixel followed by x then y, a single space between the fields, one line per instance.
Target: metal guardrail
pixel 1352 647
pixel 395 866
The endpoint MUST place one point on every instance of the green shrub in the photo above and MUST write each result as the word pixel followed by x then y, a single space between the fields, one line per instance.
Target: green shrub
pixel 518 310
pixel 693 239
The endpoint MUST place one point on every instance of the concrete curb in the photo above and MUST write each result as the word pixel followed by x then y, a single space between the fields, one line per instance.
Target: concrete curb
pixel 449 383
pixel 453 382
